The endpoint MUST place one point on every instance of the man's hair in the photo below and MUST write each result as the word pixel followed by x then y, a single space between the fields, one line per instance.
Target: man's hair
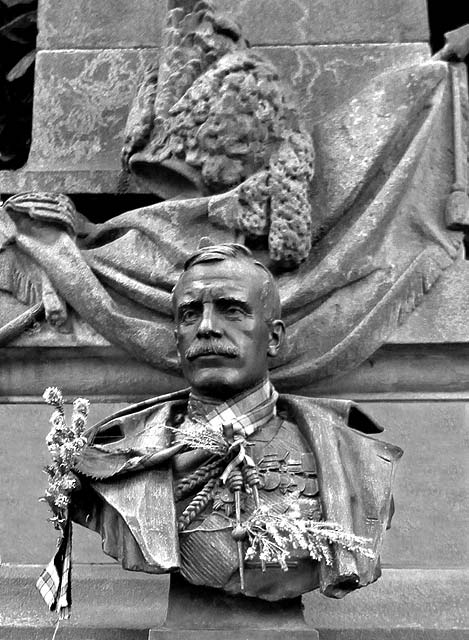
pixel 232 251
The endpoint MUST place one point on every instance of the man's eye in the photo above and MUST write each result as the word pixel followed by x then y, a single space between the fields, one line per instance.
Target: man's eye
pixel 233 310
pixel 189 315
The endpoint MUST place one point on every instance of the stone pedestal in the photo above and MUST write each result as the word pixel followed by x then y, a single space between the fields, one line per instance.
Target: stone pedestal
pixel 199 613
pixel 91 57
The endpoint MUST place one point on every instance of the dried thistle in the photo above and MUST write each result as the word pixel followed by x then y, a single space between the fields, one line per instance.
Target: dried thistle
pixel 273 536
pixel 198 436
pixel 65 444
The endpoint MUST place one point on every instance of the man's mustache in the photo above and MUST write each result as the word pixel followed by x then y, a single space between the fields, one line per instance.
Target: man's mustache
pixel 211 347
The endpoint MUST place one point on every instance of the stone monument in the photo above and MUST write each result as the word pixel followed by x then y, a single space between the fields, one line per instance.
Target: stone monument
pixel 357 221
pixel 272 496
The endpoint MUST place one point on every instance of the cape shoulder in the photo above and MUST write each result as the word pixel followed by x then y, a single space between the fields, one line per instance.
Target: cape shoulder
pixel 134 414
pixel 339 413
pixel 344 416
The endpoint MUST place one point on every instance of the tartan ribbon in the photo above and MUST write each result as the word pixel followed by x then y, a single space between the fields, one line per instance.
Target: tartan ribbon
pixel 55 582
pixel 246 412
pixel 240 457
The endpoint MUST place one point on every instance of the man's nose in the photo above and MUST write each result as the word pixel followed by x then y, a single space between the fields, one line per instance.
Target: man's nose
pixel 208 326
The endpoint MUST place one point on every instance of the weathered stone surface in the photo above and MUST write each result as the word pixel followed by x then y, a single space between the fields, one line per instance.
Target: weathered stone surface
pixel 92 371
pixel 426 358
pixel 69 181
pixel 25 534
pixel 443 315
pixel 431 489
pixel 403 601
pixel 394 372
pixel 431 481
pixel 74 633
pixel 409 599
pixel 441 319
pixel 233 634
pixel 323 21
pixel 80 106
pixel 312 634
pixel 108 23
pixel 82 99
pixel 199 608
pixel 394 634
pixel 87 24
pixel 324 77
pixel 104 596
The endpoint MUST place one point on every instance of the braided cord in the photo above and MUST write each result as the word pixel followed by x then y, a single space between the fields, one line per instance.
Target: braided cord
pixel 196 506
pixel 197 478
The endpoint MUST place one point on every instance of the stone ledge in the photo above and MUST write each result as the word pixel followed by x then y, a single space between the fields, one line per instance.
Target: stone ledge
pixel 118 23
pixel 232 634
pixel 107 374
pixel 424 603
pixel 393 634
pixel 104 596
pixel 197 634
pixel 402 598
pixel 72 633
pixel 97 181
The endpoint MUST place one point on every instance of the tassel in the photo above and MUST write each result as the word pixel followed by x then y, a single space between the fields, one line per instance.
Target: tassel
pixel 457 206
pixel 457 209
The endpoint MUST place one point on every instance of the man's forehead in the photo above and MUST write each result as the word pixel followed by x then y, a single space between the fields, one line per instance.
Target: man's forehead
pixel 221 278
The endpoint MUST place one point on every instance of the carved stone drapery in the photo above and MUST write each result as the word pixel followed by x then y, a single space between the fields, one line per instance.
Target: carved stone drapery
pixel 384 170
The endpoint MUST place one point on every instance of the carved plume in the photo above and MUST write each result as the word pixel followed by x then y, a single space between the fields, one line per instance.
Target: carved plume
pixel 216 116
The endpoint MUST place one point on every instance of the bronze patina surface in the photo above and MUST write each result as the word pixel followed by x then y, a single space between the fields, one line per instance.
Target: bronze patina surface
pixel 315 456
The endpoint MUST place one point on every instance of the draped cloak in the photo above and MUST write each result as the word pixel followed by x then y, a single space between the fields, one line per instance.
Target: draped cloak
pixel 384 172
pixel 135 512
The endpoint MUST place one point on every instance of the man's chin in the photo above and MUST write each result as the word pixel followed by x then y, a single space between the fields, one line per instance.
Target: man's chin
pixel 220 382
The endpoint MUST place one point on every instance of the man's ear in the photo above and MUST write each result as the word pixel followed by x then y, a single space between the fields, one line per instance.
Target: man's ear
pixel 277 334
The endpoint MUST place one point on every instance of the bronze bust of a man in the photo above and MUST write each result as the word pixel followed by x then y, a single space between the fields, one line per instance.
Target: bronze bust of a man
pixel 182 482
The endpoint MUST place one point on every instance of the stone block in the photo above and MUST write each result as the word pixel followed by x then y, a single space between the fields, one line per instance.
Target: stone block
pixel 443 315
pixel 330 21
pixel 108 374
pixel 104 598
pixel 88 24
pixel 233 634
pixel 25 535
pixel 117 23
pixel 81 103
pixel 72 633
pixel 323 77
pixel 402 600
pixel 77 180
pixel 394 634
pixel 403 372
pixel 82 99
pixel 429 528
pixel 431 490
pixel 413 604
pixel 98 373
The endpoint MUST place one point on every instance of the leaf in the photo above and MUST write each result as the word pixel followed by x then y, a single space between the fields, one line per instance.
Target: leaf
pixel 22 66
pixel 14 3
pixel 6 157
pixel 23 21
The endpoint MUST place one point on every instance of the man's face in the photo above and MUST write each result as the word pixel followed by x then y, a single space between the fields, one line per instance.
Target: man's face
pixel 222 336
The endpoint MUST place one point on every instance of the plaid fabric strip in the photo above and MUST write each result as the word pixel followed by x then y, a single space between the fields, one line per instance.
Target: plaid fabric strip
pixel 246 412
pixel 54 583
pixel 48 584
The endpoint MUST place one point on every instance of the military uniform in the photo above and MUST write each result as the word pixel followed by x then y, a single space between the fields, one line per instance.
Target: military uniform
pixel 315 452
pixel 287 475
